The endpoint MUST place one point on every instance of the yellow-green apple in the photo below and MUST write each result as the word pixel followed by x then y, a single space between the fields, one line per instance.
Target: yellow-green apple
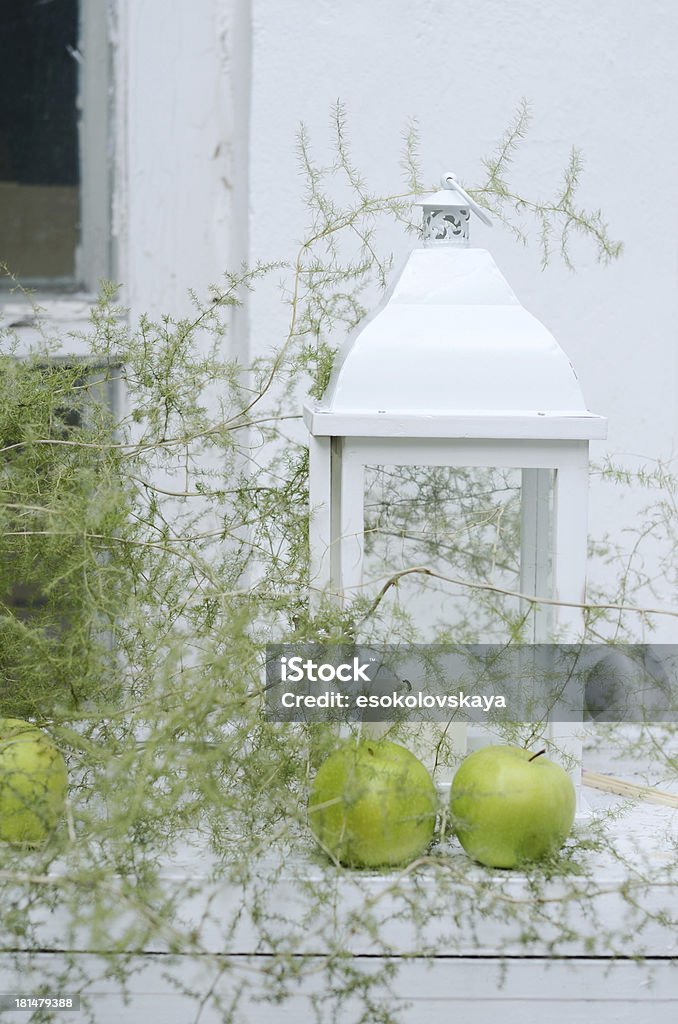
pixel 372 804
pixel 509 806
pixel 33 782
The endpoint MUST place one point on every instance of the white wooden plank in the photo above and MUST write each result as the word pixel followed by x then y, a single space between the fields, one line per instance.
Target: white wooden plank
pixel 457 925
pixel 319 517
pixel 479 424
pixel 351 523
pixel 437 451
pixel 468 990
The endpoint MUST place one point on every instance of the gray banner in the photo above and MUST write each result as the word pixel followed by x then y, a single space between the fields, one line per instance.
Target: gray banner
pixel 472 682
pixel 23 1001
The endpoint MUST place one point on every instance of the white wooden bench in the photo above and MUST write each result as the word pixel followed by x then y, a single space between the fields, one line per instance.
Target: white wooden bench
pixel 609 971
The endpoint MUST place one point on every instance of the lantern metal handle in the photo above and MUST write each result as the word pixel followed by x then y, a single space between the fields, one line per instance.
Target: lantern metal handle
pixel 452 182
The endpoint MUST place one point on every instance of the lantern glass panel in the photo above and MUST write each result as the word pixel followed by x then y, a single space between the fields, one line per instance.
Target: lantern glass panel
pixel 485 526
pixel 489 527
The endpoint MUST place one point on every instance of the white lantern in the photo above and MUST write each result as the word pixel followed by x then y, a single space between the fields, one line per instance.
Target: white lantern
pixel 451 370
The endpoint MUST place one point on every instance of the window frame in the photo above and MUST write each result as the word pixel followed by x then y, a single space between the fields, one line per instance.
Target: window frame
pixel 95 255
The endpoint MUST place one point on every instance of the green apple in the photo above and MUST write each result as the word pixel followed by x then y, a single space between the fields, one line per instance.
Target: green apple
pixel 33 782
pixel 509 806
pixel 372 804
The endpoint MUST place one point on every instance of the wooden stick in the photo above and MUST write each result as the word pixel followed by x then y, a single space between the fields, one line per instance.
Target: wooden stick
pixel 610 784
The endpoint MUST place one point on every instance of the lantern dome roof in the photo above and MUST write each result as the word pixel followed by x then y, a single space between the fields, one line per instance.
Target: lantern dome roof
pixel 452 341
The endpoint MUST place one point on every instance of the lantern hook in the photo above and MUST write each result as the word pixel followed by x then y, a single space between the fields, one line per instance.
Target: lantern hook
pixel 451 181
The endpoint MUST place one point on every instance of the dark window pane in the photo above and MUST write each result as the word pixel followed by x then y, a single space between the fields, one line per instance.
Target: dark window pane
pixel 39 165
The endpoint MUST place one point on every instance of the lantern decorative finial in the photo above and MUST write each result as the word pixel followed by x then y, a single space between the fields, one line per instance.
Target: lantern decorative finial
pixel 446 214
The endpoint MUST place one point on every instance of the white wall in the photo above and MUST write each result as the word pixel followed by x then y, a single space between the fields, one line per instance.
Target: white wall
pixel 599 75
pixel 181 99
